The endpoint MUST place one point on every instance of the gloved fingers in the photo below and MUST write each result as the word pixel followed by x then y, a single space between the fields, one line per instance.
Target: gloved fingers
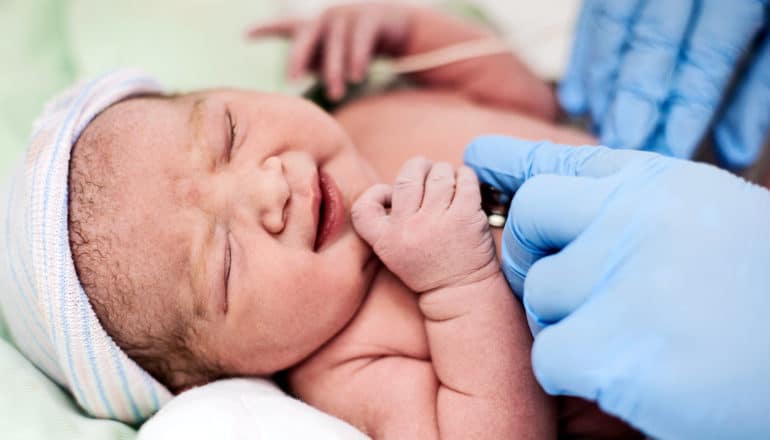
pixel 409 186
pixel 715 45
pixel 369 212
pixel 572 87
pixel 558 284
pixel 612 24
pixel 568 358
pixel 646 72
pixel 506 163
pixel 743 130
pixel 547 213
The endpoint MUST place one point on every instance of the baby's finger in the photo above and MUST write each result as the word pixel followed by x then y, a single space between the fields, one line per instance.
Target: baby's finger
pixel 409 186
pixel 305 45
pixel 284 28
pixel 363 38
pixel 467 192
pixel 439 186
pixel 369 212
pixel 334 57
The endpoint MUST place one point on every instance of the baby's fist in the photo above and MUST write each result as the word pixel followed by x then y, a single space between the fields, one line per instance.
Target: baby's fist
pixel 428 228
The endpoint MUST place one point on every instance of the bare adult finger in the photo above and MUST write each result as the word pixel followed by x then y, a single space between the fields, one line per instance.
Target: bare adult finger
pixel 334 56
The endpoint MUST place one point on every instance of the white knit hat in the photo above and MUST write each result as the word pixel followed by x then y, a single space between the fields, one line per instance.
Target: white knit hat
pixel 47 311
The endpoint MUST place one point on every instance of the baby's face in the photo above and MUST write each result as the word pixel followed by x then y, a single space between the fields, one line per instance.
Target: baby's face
pixel 234 213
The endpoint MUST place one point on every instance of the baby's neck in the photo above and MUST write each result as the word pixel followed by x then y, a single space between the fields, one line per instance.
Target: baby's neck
pixel 388 322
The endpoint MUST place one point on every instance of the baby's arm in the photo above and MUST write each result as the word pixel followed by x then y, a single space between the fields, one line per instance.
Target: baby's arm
pixel 341 42
pixel 436 239
pixel 473 341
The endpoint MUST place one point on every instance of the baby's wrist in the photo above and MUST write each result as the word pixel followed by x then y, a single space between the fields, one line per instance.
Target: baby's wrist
pixel 463 297
pixel 475 276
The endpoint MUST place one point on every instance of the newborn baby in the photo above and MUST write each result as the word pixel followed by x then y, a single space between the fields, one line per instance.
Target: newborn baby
pixel 218 242
pixel 230 233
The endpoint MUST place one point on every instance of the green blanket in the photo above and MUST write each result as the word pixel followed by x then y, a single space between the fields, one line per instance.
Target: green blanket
pixel 188 44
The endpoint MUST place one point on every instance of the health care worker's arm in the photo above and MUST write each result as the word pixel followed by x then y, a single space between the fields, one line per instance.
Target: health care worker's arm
pixel 436 239
pixel 342 41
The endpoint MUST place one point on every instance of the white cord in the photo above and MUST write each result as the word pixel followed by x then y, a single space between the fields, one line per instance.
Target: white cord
pixel 448 55
pixel 382 71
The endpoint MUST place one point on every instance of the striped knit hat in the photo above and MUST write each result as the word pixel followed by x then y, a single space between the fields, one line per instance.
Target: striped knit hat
pixel 47 311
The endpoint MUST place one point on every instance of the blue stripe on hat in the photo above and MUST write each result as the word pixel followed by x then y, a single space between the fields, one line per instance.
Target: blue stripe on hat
pixel 91 358
pixel 124 383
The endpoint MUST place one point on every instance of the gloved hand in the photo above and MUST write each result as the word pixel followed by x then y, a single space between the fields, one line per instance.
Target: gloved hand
pixel 652 74
pixel 650 277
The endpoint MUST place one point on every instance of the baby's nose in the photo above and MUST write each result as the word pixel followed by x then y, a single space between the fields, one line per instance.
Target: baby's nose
pixel 274 197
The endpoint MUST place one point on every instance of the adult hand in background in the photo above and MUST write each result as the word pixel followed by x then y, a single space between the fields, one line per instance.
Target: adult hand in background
pixel 653 74
pixel 647 278
pixel 342 41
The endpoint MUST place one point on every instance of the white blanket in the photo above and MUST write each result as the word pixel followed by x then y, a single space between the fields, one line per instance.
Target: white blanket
pixel 243 409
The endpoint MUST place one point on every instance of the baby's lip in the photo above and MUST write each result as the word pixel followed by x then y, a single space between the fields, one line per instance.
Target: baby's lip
pixel 332 216
pixel 315 205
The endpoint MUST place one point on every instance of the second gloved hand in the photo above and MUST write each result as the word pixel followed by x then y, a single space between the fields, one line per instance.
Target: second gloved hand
pixel 649 278
pixel 652 74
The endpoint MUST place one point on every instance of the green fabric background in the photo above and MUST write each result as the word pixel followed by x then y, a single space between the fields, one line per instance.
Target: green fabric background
pixel 188 44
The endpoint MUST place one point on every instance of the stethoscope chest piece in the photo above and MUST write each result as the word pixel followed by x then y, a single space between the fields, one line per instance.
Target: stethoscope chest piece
pixel 495 204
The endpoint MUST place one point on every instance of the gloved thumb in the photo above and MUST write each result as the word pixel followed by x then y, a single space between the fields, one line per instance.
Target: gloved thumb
pixel 506 163
pixel 369 213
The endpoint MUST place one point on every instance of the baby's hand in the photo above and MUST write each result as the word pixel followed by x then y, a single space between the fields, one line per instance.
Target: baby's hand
pixel 341 42
pixel 434 233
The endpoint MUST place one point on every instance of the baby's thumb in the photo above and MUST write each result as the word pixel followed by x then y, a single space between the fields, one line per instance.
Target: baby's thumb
pixel 369 213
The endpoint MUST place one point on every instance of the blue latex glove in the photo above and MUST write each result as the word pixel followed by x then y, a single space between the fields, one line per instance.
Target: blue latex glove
pixel 652 73
pixel 650 277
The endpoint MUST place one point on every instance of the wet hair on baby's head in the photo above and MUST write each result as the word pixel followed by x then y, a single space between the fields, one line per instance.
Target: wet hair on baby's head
pixel 159 344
